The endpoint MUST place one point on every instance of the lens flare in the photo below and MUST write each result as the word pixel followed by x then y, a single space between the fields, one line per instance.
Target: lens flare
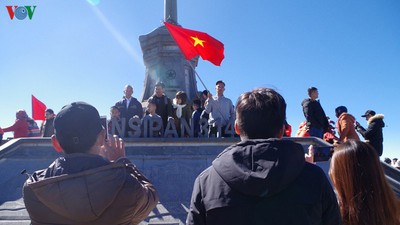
pixel 93 2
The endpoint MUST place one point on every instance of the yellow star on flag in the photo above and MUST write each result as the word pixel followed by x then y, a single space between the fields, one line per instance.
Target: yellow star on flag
pixel 197 41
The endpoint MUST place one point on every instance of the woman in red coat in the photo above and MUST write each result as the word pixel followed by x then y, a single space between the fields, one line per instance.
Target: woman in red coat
pixel 20 127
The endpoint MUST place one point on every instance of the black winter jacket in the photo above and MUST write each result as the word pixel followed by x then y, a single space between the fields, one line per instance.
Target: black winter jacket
pixel 373 134
pixel 314 114
pixel 263 182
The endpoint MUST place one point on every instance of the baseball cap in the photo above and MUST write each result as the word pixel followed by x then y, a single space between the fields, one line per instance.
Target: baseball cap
pixel 369 112
pixel 77 126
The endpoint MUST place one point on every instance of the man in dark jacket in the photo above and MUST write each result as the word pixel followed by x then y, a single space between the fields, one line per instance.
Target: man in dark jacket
pixel 164 104
pixel 93 183
pixel 47 128
pixel 262 179
pixel 129 107
pixel 315 116
pixel 373 134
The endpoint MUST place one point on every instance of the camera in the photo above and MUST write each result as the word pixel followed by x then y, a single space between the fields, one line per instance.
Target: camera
pixel 322 150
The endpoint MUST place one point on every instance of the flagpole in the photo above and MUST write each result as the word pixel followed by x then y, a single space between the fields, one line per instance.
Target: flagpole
pixel 219 110
pixel 194 70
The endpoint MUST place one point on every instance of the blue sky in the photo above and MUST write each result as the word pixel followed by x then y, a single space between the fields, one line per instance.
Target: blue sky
pixel 72 50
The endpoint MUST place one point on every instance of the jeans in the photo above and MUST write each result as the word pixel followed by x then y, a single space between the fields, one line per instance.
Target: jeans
pixel 316 132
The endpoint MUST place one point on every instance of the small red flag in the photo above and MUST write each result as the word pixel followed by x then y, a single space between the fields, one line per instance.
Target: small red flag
pixel 38 109
pixel 194 43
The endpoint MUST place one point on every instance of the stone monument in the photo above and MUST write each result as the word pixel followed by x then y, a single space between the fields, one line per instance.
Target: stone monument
pixel 164 60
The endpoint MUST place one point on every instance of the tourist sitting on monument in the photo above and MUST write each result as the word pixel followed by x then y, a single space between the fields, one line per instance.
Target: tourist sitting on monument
pixel 220 110
pixel 197 110
pixel 181 111
pixel 129 107
pixel 115 122
pixel 152 125
pixel 364 195
pixel 20 127
pixel 262 179
pixel 93 182
pixel 164 104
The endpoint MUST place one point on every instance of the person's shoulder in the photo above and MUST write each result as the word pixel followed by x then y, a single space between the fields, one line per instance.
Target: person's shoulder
pixel 228 99
pixel 204 176
pixel 376 118
pixel 286 144
pixel 306 101
pixel 350 117
pixel 154 96
pixel 120 102
pixel 197 112
pixel 168 99
pixel 313 174
pixel 156 116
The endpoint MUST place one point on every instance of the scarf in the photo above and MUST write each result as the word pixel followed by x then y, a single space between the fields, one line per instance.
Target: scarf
pixel 178 109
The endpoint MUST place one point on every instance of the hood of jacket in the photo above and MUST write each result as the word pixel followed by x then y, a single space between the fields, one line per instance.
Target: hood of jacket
pixel 348 117
pixel 80 188
pixel 378 118
pixel 260 167
pixel 306 101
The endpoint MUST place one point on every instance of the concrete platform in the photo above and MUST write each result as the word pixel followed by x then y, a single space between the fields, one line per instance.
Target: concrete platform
pixel 171 164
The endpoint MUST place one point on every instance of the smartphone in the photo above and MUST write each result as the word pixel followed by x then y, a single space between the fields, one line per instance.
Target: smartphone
pixel 322 150
pixel 103 120
pixel 322 153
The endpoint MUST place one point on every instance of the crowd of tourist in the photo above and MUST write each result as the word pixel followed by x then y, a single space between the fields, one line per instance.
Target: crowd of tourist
pixel 263 179
pixel 206 115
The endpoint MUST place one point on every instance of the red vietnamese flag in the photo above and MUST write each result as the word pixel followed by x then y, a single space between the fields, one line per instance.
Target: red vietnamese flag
pixel 194 43
pixel 38 109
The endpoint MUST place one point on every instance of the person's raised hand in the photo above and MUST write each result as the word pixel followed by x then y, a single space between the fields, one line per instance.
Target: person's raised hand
pixel 113 148
pixel 309 157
